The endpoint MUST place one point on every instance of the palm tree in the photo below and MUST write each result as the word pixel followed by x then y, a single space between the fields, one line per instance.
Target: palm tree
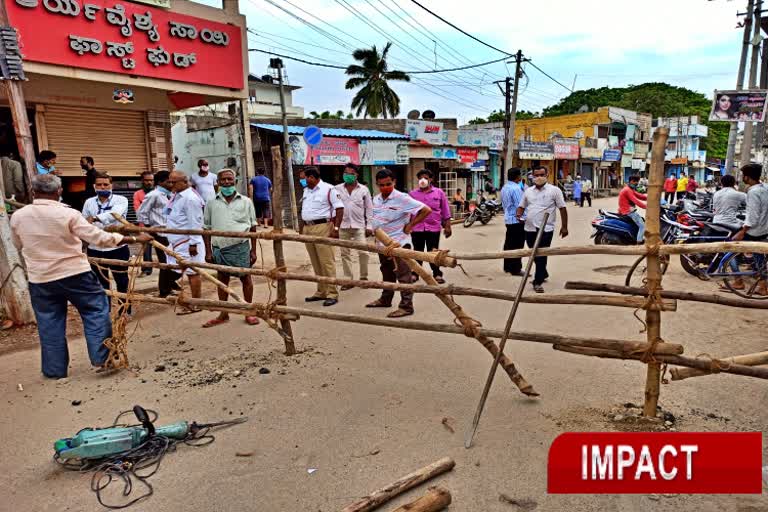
pixel 375 98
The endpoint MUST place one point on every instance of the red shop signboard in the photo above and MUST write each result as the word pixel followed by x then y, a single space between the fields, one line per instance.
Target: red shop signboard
pixel 467 155
pixel 127 38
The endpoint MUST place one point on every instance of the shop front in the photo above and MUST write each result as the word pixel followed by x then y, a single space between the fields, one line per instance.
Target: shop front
pixel 533 154
pixel 103 80
pixel 379 154
pixel 566 158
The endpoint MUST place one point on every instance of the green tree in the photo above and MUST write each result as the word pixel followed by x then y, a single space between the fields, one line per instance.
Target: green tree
pixel 375 97
pixel 497 116
pixel 327 115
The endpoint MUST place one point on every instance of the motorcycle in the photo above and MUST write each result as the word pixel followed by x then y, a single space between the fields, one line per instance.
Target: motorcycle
pixel 480 212
pixel 610 228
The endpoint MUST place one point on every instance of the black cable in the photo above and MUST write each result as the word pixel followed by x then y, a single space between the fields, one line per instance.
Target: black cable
pixel 549 76
pixel 334 66
pixel 460 30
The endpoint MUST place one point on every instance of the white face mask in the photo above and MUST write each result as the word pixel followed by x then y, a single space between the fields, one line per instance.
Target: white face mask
pixel 423 183
pixel 539 180
pixel 204 168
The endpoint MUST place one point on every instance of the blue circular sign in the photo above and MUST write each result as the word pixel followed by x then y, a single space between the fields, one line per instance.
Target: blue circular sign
pixel 313 135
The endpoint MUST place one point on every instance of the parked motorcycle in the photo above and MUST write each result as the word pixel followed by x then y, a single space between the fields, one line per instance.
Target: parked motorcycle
pixel 480 212
pixel 610 228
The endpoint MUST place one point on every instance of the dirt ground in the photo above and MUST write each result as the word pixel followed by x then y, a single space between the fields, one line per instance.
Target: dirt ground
pixel 365 405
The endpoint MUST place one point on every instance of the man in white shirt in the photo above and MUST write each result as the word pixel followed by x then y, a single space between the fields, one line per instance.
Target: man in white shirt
pixel 321 214
pixel 356 224
pixel 185 211
pixel 152 213
pixel 538 200
pixel 98 210
pixel 204 181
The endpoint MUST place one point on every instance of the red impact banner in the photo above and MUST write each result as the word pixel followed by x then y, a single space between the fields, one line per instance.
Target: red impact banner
pixel 129 38
pixel 656 462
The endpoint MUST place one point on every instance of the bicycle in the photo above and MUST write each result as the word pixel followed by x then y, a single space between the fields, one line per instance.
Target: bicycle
pixel 741 273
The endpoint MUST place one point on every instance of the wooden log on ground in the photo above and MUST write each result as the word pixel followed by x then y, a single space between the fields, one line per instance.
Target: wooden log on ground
pixel 430 257
pixel 653 266
pixel 470 325
pixel 709 365
pixel 756 359
pixel 277 245
pixel 449 289
pixel 292 313
pixel 399 486
pixel 437 498
pixel 711 298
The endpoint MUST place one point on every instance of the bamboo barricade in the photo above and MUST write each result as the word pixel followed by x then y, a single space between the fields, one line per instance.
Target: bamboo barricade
pixel 449 289
pixel 652 298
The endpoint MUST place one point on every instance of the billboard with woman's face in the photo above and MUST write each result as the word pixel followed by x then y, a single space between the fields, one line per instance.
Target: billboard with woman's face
pixel 746 106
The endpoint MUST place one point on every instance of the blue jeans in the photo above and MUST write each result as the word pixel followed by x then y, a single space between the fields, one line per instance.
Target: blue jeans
pixel 49 301
pixel 640 222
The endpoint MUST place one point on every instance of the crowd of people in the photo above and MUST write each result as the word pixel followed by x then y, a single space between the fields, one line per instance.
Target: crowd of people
pixel 208 204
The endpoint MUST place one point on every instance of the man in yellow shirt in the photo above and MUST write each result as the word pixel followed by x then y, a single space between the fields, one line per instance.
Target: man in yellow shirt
pixel 682 185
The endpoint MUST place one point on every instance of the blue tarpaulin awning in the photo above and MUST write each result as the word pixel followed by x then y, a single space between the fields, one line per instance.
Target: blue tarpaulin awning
pixel 335 132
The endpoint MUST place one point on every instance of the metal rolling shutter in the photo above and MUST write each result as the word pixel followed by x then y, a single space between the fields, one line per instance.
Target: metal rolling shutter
pixel 116 139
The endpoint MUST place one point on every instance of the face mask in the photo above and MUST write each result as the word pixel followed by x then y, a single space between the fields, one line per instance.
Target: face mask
pixel 349 179
pixel 303 182
pixel 103 193
pixel 164 190
pixel 84 167
pixel 386 190
pixel 633 186
pixel 228 191
pixel 147 188
pixel 204 168
pixel 540 180
pixel 423 183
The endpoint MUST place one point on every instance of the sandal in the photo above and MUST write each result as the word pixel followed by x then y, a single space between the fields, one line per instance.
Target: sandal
pixel 399 313
pixel 378 304
pixel 538 288
pixel 213 322
pixel 188 311
pixel 252 320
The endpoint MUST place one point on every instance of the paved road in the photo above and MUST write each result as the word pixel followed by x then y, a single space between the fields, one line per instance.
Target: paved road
pixel 358 390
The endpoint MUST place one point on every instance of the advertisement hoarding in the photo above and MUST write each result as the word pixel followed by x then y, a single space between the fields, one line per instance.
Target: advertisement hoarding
pixel 429 132
pixel 330 151
pixel 383 152
pixel 739 106
pixel 535 150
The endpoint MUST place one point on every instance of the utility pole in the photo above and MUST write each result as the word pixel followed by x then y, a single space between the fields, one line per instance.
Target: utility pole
pixel 278 65
pixel 507 92
pixel 509 140
pixel 746 145
pixel 15 95
pixel 731 152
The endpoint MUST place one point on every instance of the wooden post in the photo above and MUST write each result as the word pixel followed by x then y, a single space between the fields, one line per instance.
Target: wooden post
pixel 20 120
pixel 409 481
pixel 15 289
pixel 277 245
pixel 437 498
pixel 470 325
pixel 653 284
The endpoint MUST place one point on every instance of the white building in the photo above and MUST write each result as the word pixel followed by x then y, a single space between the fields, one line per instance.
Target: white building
pixel 264 98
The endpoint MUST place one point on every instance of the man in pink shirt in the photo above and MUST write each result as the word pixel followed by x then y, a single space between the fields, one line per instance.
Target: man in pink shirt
pixel 427 232
pixel 50 235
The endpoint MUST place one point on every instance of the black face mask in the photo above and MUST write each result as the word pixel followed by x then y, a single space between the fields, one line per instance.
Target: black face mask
pixel 84 167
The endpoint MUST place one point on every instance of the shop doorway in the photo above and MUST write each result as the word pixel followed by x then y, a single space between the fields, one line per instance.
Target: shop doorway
pixel 8 145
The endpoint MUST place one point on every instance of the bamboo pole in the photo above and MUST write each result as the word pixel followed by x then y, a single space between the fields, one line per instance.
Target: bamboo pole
pixel 709 365
pixel 399 486
pixel 618 250
pixel 621 346
pixel 711 298
pixel 470 325
pixel 430 257
pixel 277 245
pixel 437 498
pixel 756 359
pixel 449 289
pixel 14 288
pixel 653 267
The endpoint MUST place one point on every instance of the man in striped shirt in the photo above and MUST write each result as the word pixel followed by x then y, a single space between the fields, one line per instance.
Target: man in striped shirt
pixel 395 213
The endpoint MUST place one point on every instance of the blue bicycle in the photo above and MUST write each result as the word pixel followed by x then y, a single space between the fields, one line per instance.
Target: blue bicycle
pixel 745 275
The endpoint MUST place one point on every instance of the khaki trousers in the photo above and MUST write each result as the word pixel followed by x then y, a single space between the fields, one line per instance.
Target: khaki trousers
pixel 357 235
pixel 323 260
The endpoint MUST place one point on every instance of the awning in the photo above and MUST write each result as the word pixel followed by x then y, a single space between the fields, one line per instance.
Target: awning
pixel 334 132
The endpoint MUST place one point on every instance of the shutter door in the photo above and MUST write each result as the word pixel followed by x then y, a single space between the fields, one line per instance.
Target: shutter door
pixel 116 139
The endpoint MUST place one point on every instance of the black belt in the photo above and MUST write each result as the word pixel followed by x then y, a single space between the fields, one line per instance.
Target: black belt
pixel 315 222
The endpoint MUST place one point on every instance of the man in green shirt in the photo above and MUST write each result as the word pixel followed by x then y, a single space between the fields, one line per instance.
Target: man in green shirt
pixel 230 211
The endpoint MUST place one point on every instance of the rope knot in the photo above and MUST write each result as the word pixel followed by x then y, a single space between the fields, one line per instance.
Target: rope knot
pixel 441 256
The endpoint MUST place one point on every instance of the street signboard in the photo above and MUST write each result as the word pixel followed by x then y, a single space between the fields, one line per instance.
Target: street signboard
pixel 313 135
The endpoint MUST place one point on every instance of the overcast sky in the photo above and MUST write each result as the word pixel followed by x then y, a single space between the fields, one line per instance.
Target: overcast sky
pixel 691 43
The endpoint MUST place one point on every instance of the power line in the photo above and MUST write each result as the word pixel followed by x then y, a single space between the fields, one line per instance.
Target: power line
pixel 550 77
pixel 460 30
